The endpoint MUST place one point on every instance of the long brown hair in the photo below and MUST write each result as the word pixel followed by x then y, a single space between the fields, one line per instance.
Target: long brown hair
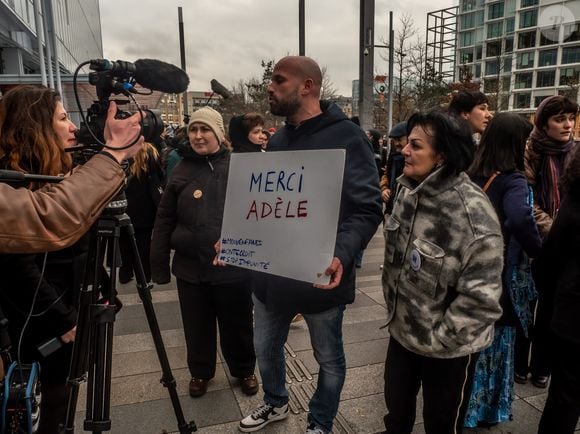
pixel 140 164
pixel 28 142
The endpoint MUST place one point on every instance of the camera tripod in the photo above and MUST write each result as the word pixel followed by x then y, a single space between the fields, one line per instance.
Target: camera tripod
pixel 98 305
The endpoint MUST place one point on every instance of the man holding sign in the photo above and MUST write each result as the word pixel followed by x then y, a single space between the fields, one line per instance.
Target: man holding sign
pixel 313 124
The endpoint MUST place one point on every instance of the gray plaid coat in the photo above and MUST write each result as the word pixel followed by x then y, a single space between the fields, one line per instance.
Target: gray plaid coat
pixel 443 267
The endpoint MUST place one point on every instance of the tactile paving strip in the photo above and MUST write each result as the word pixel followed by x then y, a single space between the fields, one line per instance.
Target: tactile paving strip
pixel 301 387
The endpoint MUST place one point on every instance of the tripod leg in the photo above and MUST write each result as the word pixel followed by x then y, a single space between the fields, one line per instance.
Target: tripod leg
pixel 144 290
pixel 95 333
pixel 87 297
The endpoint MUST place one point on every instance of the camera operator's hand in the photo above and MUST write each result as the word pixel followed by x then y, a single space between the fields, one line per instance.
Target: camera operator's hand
pixel 121 132
pixel 69 336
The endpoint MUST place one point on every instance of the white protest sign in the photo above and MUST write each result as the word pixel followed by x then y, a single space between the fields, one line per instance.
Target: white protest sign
pixel 281 212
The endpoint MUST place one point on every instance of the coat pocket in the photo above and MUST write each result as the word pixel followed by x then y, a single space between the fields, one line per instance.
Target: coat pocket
pixel 390 232
pixel 425 264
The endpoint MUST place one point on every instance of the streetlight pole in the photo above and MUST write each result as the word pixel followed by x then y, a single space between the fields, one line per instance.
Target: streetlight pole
pixel 391 61
pixel 301 30
pixel 182 52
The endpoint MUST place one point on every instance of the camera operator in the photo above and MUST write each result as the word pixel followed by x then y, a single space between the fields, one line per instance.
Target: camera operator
pixel 41 290
pixel 56 216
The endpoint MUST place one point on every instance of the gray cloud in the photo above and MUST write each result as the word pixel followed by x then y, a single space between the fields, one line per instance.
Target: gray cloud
pixel 227 39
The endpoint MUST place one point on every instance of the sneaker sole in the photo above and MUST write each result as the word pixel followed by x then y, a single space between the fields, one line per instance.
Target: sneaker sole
pixel 259 427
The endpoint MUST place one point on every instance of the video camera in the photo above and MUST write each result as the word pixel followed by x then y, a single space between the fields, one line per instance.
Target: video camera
pixel 121 77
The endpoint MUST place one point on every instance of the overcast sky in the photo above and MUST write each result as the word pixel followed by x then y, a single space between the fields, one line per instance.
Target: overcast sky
pixel 227 39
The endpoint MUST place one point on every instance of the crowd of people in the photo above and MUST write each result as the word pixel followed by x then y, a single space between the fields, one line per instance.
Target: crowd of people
pixel 480 217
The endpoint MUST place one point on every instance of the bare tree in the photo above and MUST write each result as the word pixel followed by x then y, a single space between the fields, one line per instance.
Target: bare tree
pixel 407 67
pixel 328 89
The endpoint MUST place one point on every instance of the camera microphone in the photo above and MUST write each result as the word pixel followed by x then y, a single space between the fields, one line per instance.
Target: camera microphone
pixel 220 89
pixel 158 75
pixel 150 73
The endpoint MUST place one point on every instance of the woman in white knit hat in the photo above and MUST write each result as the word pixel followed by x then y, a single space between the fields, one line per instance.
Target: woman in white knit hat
pixel 189 221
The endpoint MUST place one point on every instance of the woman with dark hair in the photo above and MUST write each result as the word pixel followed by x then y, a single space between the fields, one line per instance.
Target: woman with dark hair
pixel 34 131
pixel 498 169
pixel 557 276
pixel 441 277
pixel 545 156
pixel 473 107
pixel 246 132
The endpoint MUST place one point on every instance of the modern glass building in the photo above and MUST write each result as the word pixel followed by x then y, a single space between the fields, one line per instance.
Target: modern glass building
pixel 76 25
pixel 520 50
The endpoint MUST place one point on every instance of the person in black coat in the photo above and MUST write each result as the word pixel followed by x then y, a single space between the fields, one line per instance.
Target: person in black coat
pixel 498 169
pixel 189 220
pixel 246 133
pixel 557 276
pixel 313 124
pixel 143 192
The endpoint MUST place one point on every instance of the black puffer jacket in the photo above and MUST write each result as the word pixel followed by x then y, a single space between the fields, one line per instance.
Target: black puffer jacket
pixel 359 217
pixel 239 138
pixel 189 220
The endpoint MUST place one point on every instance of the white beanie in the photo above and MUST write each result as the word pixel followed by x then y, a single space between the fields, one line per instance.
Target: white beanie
pixel 211 118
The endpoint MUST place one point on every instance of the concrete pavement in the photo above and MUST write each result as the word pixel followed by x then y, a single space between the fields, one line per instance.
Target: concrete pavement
pixel 139 403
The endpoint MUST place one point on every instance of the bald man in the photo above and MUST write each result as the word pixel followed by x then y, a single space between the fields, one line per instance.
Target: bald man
pixel 313 124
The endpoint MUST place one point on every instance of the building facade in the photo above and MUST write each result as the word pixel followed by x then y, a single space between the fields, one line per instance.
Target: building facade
pixel 76 25
pixel 520 50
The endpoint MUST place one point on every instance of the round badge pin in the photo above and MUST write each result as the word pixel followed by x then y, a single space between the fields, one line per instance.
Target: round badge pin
pixel 415 260
pixel 197 194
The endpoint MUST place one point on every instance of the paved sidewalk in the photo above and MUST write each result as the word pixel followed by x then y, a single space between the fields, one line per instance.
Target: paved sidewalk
pixel 139 403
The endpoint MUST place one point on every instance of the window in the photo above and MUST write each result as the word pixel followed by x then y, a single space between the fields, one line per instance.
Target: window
pixel 478 52
pixel 468 21
pixel 490 85
pixel 478 70
pixel 491 68
pixel 526 3
pixel 510 25
pixel 495 29
pixel 525 60
pixel 548 57
pixel 479 18
pixel 569 76
pixel 509 45
pixel 546 78
pixel 505 83
pixel 469 5
pixel 507 64
pixel 523 80
pixel 504 102
pixel 572 32
pixel 549 35
pixel 571 54
pixel 467 56
pixel 495 10
pixel 529 18
pixel 466 39
pixel 538 100
pixel 522 100
pixel 527 39
pixel 493 49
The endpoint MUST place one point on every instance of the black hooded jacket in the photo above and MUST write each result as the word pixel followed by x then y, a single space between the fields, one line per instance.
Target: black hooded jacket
pixel 239 138
pixel 189 220
pixel 359 216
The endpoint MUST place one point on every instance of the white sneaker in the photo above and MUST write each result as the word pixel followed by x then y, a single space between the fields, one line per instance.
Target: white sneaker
pixel 262 416
pixel 313 429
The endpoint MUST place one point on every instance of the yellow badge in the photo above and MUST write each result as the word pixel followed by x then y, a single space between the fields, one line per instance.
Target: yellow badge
pixel 197 194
